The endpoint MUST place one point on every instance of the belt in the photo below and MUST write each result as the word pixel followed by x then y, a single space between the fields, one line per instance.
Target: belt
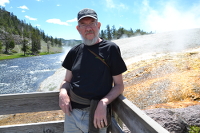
pixel 84 109
pixel 78 99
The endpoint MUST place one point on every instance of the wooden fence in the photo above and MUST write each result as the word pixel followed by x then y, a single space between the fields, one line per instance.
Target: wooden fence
pixel 135 119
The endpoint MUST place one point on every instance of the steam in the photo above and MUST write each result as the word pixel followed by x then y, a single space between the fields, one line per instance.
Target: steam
pixel 145 47
pixel 178 29
pixel 64 53
pixel 170 17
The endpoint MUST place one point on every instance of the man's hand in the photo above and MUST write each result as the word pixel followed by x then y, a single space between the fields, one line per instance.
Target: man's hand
pixel 64 102
pixel 100 119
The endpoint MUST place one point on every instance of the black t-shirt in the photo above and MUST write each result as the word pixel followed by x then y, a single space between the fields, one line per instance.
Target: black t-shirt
pixel 92 79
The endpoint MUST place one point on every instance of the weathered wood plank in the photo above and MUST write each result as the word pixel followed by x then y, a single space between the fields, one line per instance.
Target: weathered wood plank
pixel 134 118
pixel 30 102
pixel 44 127
pixel 115 128
pixel 47 127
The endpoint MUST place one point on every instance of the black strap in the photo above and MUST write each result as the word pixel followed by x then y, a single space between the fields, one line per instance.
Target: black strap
pixel 99 58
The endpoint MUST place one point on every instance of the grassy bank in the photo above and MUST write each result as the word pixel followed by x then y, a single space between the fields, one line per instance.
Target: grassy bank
pixel 5 56
pixel 20 55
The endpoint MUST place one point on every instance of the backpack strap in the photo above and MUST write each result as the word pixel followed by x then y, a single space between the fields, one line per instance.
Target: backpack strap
pixel 99 58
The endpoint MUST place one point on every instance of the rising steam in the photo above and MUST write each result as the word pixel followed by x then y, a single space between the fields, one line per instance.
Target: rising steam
pixel 171 16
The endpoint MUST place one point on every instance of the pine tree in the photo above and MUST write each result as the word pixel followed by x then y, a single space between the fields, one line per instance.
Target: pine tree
pixel 35 42
pixel 109 36
pixel 1 46
pixel 102 34
pixel 114 32
pixel 25 47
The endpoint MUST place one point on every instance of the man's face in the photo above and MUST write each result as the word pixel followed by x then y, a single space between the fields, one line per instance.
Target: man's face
pixel 88 28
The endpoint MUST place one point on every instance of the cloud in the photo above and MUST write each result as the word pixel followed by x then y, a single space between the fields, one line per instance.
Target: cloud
pixel 122 6
pixel 30 18
pixel 57 5
pixel 57 21
pixel 23 7
pixel 170 17
pixel 72 20
pixel 111 4
pixel 3 2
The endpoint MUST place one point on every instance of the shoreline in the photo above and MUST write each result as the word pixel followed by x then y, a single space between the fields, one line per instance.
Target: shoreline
pixel 53 82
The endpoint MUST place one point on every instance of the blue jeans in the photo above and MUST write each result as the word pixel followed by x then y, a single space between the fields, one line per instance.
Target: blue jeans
pixel 78 122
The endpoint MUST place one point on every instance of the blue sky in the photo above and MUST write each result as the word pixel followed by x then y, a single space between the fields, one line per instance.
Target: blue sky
pixel 58 17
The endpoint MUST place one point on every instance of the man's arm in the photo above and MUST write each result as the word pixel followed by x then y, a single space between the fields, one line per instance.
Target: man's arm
pixel 100 113
pixel 64 100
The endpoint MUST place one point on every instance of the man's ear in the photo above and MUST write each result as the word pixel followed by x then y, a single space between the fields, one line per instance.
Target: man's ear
pixel 77 27
pixel 99 25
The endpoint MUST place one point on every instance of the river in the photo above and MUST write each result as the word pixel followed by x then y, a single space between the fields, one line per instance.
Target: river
pixel 24 75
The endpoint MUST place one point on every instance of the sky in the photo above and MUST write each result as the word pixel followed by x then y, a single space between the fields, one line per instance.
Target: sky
pixel 58 18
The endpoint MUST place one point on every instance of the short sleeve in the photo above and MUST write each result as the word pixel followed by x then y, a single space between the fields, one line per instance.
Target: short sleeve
pixel 116 63
pixel 68 61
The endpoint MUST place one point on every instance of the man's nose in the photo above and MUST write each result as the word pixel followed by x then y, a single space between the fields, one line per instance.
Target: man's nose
pixel 88 27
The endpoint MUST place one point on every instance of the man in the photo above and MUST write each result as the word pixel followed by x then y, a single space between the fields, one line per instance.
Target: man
pixel 93 71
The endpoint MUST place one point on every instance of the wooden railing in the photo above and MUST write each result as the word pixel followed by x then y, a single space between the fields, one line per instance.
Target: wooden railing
pixel 135 119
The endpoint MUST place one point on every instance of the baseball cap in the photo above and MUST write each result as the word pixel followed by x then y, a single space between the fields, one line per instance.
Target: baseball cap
pixel 87 13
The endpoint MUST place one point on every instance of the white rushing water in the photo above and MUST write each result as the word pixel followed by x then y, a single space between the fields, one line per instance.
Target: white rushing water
pixel 24 75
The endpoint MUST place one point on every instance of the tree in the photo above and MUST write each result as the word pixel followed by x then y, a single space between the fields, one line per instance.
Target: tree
pixel 60 43
pixel 7 38
pixel 25 47
pixel 36 44
pixel 11 44
pixel 48 46
pixel 102 34
pixel 131 33
pixel 56 40
pixel 114 32
pixel 52 41
pixel 120 32
pixel 1 46
pixel 109 36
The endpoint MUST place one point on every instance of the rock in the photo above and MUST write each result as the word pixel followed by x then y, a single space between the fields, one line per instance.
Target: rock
pixel 53 82
pixel 176 120
pixel 191 115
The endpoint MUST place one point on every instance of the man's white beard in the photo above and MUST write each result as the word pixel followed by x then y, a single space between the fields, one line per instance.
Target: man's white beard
pixel 90 42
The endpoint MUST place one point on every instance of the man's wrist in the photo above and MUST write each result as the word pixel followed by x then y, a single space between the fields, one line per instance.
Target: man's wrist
pixel 105 101
pixel 63 90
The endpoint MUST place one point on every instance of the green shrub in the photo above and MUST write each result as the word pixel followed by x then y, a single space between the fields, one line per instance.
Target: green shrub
pixel 194 129
pixel 13 51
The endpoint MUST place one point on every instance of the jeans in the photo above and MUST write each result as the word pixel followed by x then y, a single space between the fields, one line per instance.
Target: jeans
pixel 78 122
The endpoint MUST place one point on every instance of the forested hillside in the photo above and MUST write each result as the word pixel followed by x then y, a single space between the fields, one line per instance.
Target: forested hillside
pixel 17 32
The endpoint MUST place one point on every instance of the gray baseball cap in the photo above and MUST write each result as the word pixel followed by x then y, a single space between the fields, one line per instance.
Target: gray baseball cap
pixel 87 13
